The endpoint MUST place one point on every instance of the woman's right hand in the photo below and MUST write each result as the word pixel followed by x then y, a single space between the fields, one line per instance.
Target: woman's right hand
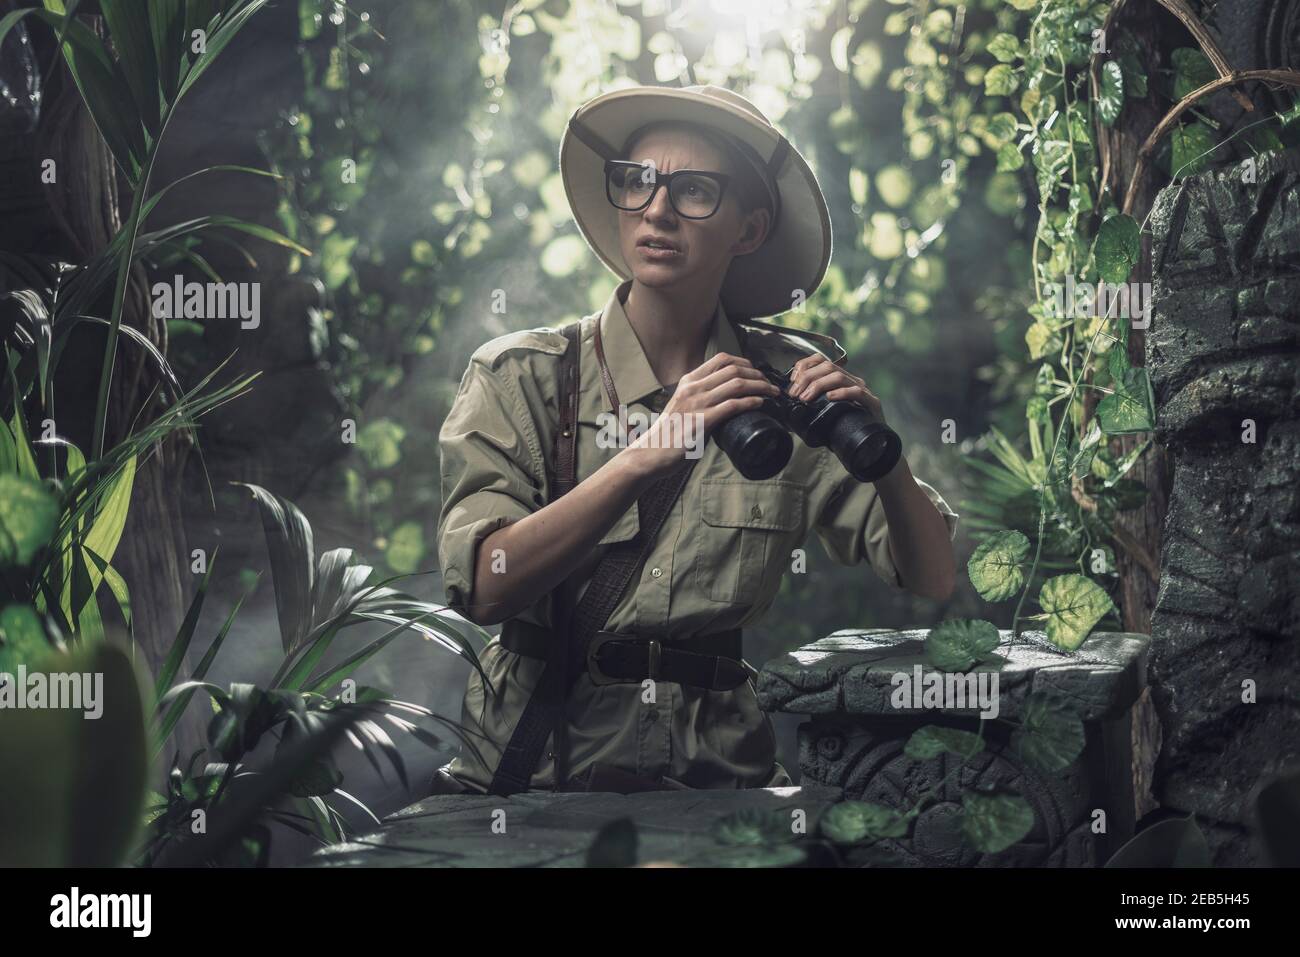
pixel 721 387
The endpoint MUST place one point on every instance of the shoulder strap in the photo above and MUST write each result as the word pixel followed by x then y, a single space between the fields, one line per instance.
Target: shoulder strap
pixel 573 628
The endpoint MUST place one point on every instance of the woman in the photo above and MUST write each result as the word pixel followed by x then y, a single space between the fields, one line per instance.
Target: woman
pixel 711 218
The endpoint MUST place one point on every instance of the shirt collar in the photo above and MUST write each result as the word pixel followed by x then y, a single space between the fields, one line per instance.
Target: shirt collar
pixel 634 379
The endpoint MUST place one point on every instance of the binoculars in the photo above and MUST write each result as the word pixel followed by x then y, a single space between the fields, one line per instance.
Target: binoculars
pixel 759 445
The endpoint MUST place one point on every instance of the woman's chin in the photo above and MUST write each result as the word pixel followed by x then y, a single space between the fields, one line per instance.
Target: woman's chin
pixel 658 274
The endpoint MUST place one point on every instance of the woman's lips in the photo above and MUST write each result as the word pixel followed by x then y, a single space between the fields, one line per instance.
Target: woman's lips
pixel 658 253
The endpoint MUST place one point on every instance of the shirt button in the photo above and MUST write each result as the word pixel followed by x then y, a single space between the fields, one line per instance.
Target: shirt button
pixel 656 573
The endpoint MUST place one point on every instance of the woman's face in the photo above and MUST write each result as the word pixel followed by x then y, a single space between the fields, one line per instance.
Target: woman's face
pixel 663 248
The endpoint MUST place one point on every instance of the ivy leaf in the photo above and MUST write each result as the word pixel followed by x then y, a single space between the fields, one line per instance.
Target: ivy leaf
pixel 1118 246
pixel 1131 407
pixel 1110 98
pixel 1023 4
pixel 1050 736
pixel 1192 144
pixel 1192 70
pixel 933 740
pixel 1001 80
pixel 1009 158
pixel 1004 47
pixel 1074 604
pixel 997 567
pixel 1002 126
pixel 959 643
pixel 851 822
pixel 994 821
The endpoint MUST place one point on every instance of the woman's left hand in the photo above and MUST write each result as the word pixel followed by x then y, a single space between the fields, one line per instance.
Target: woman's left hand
pixel 816 375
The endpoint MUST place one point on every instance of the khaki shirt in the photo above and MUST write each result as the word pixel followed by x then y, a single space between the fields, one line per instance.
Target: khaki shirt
pixel 717 562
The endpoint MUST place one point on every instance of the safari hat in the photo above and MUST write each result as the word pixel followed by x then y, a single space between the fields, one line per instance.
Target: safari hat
pixel 798 246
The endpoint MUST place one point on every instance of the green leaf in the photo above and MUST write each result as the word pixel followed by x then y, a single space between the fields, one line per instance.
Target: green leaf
pixel 110 519
pixel 933 740
pixel 132 35
pixel 293 563
pixel 1131 406
pixel 1117 248
pixel 996 569
pixel 1192 144
pixel 28 517
pixel 852 822
pixel 1001 80
pixel 22 639
pixel 1004 47
pixel 104 90
pixel 959 643
pixel 1192 70
pixel 167 28
pixel 86 803
pixel 1009 158
pixel 1110 97
pixel 993 822
pixel 227 28
pixel 1050 737
pixel 1074 604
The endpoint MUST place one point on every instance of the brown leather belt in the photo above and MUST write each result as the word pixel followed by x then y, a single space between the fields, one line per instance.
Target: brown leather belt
pixel 713 662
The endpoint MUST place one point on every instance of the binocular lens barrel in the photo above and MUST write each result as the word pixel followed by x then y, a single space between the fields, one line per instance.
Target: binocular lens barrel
pixel 759 445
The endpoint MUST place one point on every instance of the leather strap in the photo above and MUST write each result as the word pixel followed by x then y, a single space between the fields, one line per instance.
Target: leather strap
pixel 545 712
pixel 605 377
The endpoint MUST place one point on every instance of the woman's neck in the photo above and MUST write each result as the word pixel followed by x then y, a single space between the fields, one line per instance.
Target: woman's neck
pixel 673 327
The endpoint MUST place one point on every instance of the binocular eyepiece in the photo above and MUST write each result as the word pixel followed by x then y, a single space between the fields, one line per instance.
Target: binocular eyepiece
pixel 759 445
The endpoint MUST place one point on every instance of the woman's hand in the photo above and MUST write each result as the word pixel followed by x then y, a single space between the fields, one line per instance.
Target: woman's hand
pixel 816 375
pixel 715 391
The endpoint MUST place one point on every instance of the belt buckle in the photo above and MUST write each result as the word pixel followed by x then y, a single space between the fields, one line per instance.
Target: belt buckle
pixel 654 652
pixel 598 641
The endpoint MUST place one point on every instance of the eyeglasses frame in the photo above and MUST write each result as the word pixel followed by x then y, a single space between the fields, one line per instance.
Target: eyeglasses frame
pixel 665 180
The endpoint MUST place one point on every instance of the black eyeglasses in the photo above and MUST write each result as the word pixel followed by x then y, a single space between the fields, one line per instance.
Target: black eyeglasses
pixel 693 193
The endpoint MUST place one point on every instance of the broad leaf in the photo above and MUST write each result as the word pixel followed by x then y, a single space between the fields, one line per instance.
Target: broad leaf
pixel 851 822
pixel 996 569
pixel 1074 604
pixel 933 740
pixel 1110 97
pixel 1050 736
pixel 995 821
pixel 959 643
pixel 1118 246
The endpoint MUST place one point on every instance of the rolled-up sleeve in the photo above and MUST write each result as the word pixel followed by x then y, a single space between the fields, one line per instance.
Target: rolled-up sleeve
pixel 492 470
pixel 852 525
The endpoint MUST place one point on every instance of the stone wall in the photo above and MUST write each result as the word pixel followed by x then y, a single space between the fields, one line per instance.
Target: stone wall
pixel 1221 352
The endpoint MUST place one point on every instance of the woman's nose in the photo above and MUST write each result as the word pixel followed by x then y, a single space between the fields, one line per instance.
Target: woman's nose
pixel 661 207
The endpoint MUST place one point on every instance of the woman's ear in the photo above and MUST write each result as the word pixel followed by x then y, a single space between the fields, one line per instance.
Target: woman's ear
pixel 753 232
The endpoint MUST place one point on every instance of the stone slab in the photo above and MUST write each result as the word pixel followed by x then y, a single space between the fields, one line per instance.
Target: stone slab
pixel 851 673
pixel 543 829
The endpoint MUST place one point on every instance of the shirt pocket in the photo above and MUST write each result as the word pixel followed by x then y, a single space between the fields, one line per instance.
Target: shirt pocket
pixel 744 529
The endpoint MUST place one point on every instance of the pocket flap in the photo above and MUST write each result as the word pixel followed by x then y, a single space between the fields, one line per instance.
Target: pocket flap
pixel 776 506
pixel 626 527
